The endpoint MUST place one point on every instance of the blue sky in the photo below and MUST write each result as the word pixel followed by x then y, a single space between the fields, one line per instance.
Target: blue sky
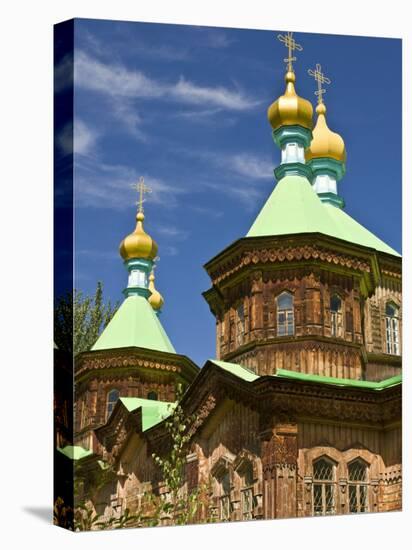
pixel 185 107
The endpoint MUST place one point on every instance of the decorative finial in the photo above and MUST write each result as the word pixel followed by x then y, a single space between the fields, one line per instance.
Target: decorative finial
pixel 291 45
pixel 141 188
pixel 155 299
pixel 320 79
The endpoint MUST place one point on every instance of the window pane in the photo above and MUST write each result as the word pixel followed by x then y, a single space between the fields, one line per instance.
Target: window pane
pixel 391 310
pixel 247 503
pixel 353 505
pixel 224 508
pixel 329 499
pixel 317 500
pixel 285 301
pixel 357 471
pixel 363 491
pixel 335 303
pixel 323 469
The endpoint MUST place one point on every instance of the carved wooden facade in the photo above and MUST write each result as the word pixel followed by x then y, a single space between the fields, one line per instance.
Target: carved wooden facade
pixel 273 445
pixel 256 446
pixel 249 276
pixel 131 372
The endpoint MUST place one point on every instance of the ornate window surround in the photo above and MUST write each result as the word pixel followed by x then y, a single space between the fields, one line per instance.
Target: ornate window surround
pixel 285 326
pixel 342 459
pixel 222 473
pixel 250 494
pixel 337 323
pixel 392 327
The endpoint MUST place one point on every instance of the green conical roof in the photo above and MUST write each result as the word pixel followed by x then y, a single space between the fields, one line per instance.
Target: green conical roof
pixel 294 207
pixel 135 324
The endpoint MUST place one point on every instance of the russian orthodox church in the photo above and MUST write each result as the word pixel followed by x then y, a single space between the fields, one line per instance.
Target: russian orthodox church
pixel 300 413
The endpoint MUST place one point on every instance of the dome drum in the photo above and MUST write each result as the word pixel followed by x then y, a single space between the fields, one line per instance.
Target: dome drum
pixel 292 134
pixel 327 166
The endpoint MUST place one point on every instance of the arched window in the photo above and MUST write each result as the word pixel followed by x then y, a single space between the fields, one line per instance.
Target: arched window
pixel 323 487
pixel 246 492
pixel 392 328
pixel 358 487
pixel 240 325
pixel 112 397
pixel 285 316
pixel 224 496
pixel 336 316
pixel 152 395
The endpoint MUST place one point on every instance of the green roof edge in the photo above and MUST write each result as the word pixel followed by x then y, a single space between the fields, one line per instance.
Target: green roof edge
pixel 74 452
pixel 153 412
pixel 249 376
pixel 383 384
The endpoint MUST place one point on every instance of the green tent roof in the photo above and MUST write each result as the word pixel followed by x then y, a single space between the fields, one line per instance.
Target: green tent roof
pixel 135 324
pixel 153 412
pixel 249 376
pixel 294 207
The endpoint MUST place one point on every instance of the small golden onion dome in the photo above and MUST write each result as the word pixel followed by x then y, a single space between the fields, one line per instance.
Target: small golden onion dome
pixel 138 244
pixel 290 109
pixel 155 299
pixel 325 143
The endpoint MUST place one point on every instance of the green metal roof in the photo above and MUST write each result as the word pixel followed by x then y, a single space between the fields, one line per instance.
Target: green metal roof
pixel 153 411
pixel 237 370
pixel 294 207
pixel 75 452
pixel 249 376
pixel 135 324
pixel 393 381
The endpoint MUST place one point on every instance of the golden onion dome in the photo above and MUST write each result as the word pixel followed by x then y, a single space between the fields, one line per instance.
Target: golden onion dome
pixel 290 109
pixel 325 143
pixel 155 299
pixel 138 244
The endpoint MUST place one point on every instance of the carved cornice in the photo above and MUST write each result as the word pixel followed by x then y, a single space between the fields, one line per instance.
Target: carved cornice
pixel 250 258
pixel 306 342
pixel 130 358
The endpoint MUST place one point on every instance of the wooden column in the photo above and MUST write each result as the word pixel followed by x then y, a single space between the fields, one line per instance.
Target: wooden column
pixel 279 463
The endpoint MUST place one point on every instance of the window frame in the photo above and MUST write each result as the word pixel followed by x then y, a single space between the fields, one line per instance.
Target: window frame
pixel 111 403
pixel 336 317
pixel 359 487
pixel 325 486
pixel 247 498
pixel 392 340
pixel 289 316
pixel 224 507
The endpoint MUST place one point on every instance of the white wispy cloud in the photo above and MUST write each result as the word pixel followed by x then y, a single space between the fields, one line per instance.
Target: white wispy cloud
pixel 63 73
pixel 213 38
pixel 78 138
pixel 249 165
pixel 103 185
pixel 117 80
pixel 172 232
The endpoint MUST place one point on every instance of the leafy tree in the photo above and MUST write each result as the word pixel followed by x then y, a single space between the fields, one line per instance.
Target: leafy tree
pixel 178 507
pixel 79 319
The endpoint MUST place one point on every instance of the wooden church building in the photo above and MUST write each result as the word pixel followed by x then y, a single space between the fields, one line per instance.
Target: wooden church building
pixel 300 412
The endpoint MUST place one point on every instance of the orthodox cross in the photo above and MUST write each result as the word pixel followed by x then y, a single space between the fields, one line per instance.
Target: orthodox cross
pixel 291 45
pixel 141 188
pixel 320 79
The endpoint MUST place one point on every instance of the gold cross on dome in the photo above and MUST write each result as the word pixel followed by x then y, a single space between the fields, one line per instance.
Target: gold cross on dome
pixel 141 188
pixel 291 44
pixel 320 79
